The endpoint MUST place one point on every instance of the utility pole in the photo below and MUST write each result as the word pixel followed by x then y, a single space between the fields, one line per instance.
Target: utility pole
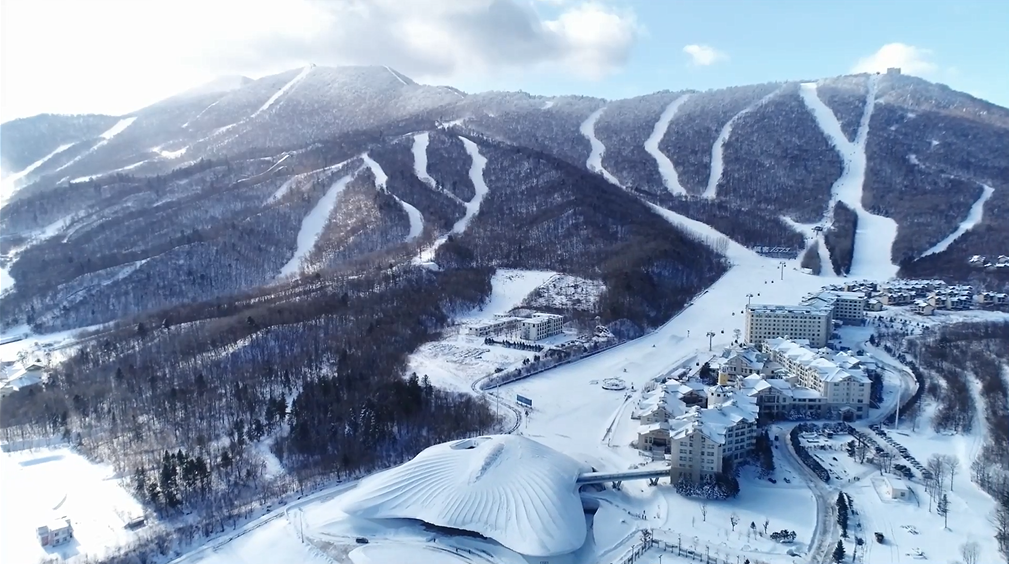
pixel 711 335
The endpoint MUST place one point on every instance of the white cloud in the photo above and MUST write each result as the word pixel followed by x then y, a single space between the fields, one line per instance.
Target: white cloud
pixel 910 59
pixel 112 56
pixel 704 55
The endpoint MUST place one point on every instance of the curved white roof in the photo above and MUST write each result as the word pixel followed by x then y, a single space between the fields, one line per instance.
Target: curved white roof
pixel 511 489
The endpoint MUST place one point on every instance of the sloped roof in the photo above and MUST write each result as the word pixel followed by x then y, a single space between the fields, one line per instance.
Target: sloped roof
pixel 511 489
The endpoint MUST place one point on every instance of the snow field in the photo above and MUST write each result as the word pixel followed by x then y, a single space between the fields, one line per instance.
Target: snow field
pixel 8 185
pixel 275 542
pixel 974 217
pixel 875 234
pixel 669 177
pixel 116 129
pixel 44 484
pixel 595 160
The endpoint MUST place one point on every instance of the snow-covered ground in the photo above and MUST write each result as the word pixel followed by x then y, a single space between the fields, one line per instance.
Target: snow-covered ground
pixel 116 129
pixel 49 483
pixel 9 185
pixel 314 223
pixel 6 281
pixel 973 218
pixel 381 178
pixel 419 150
pixel 666 168
pixel 595 160
pixel 718 148
pixel 875 234
pixel 283 89
pixel 564 292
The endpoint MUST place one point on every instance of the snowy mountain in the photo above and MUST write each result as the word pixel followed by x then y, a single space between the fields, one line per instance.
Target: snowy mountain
pixel 234 185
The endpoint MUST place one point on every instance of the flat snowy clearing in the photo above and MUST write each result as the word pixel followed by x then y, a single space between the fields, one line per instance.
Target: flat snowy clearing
pixel 44 484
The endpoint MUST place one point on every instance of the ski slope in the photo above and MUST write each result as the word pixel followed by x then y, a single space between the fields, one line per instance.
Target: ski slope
pixel 733 251
pixel 313 225
pixel 595 160
pixel 8 187
pixel 116 129
pixel 381 179
pixel 478 162
pixel 283 89
pixel 396 76
pixel 288 185
pixel 974 217
pixel 419 150
pixel 875 234
pixel 666 168
pixel 718 148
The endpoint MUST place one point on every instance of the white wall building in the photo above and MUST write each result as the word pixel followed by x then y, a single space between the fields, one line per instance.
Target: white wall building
pixel 58 531
pixel 847 307
pixel 837 377
pixel 541 326
pixel 895 488
pixel 700 439
pixel 810 322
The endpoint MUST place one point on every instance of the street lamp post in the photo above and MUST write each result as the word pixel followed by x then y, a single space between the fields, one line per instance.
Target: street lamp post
pixel 781 267
pixel 711 335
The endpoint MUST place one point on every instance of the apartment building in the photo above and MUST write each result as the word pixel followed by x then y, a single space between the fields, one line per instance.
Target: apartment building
pixel 810 322
pixel 499 326
pixel 57 532
pixel 837 377
pixel 541 326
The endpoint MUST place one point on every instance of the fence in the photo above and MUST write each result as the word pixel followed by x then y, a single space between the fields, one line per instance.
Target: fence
pixel 693 553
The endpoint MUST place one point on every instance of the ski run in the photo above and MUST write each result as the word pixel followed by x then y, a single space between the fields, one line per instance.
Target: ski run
pixel 595 161
pixel 381 179
pixel 314 223
pixel 875 234
pixel 419 150
pixel 8 185
pixel 718 148
pixel 291 182
pixel 973 218
pixel 276 95
pixel 116 129
pixel 478 162
pixel 666 168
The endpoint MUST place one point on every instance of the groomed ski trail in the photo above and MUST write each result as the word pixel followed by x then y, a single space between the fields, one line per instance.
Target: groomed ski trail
pixel 718 148
pixel 595 160
pixel 974 217
pixel 381 178
pixel 7 188
pixel 478 162
pixel 289 184
pixel 666 168
pixel 419 150
pixel 736 253
pixel 875 234
pixel 116 129
pixel 314 223
pixel 812 237
pixel 276 95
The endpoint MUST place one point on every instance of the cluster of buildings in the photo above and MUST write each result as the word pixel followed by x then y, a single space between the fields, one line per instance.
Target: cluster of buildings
pixel 978 261
pixel 534 327
pixel 926 296
pixel 698 427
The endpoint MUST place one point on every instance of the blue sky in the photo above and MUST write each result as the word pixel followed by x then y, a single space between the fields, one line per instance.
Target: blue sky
pixel 963 44
pixel 116 56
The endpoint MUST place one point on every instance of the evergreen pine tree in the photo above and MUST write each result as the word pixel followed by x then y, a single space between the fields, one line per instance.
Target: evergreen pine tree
pixel 942 508
pixel 839 551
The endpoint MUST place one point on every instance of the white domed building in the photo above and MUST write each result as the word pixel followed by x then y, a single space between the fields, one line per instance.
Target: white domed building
pixel 510 489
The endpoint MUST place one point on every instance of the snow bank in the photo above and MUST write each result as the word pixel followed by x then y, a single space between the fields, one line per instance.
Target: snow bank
pixel 595 160
pixel 973 218
pixel 313 224
pixel 875 234
pixel 508 488
pixel 666 168
pixel 283 89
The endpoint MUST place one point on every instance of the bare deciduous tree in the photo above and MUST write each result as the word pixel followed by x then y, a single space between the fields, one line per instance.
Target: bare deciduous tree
pixel 970 551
